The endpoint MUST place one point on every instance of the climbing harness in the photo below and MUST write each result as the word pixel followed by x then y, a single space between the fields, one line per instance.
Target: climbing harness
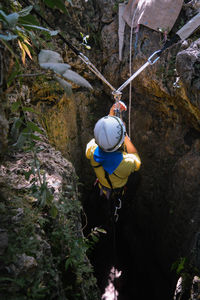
pixel 115 196
pixel 111 193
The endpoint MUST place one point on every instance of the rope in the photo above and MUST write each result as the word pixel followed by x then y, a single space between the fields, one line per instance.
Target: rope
pixel 183 33
pixel 114 221
pixel 114 255
pixel 130 72
pixel 75 50
pixel 95 70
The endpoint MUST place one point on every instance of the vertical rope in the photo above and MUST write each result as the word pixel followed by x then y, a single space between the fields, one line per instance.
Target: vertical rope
pixel 130 71
pixel 114 253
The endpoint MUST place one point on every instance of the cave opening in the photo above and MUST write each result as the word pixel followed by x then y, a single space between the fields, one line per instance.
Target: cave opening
pixel 127 248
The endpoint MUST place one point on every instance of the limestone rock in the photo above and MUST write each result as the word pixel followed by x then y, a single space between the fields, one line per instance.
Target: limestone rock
pixel 188 68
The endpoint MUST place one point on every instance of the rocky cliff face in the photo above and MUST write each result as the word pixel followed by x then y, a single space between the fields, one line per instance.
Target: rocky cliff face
pixel 160 219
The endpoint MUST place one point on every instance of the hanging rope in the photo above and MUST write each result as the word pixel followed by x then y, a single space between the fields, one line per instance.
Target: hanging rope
pixel 115 218
pixel 182 34
pixel 95 70
pixel 130 72
pixel 114 255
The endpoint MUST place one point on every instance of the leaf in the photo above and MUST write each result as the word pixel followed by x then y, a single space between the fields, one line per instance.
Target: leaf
pixel 33 38
pixel 28 174
pixel 181 265
pixel 54 211
pixel 65 85
pixel 8 37
pixel 26 49
pixel 29 109
pixel 68 262
pixel 50 3
pixel 23 53
pixel 100 230
pixel 14 132
pixel 15 106
pixel 31 26
pixel 87 46
pixel 59 68
pixel 53 32
pixel 43 198
pixel 15 71
pixel 49 197
pixel 33 127
pixel 21 140
pixel 26 11
pixel 60 4
pixel 76 78
pixel 3 16
pixel 12 19
pixel 35 137
pixel 30 19
pixel 95 238
pixel 46 56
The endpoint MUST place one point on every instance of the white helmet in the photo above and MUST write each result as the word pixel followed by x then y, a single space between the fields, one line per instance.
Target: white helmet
pixel 109 133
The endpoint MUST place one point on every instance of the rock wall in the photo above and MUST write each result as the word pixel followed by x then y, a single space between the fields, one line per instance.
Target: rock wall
pixel 163 209
pixel 164 128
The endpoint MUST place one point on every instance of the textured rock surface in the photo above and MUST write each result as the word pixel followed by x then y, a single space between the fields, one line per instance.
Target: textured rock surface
pixel 33 246
pixel 161 222
pixel 164 127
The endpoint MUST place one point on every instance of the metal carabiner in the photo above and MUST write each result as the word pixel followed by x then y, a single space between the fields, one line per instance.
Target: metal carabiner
pixel 116 209
pixel 150 57
pixel 117 95
pixel 116 216
pixel 120 204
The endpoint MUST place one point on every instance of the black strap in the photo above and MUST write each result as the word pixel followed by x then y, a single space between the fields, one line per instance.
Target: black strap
pixel 97 166
pixel 106 175
pixel 169 43
pixel 108 179
pixel 117 175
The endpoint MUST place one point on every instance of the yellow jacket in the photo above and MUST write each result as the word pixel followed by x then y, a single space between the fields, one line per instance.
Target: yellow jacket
pixel 130 163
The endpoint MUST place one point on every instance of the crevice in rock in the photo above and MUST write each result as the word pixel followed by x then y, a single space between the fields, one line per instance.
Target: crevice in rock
pixel 191 136
pixel 135 252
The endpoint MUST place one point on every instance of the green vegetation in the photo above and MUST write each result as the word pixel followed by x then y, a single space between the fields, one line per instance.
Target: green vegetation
pixel 46 253
pixel 46 256
pixel 22 26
